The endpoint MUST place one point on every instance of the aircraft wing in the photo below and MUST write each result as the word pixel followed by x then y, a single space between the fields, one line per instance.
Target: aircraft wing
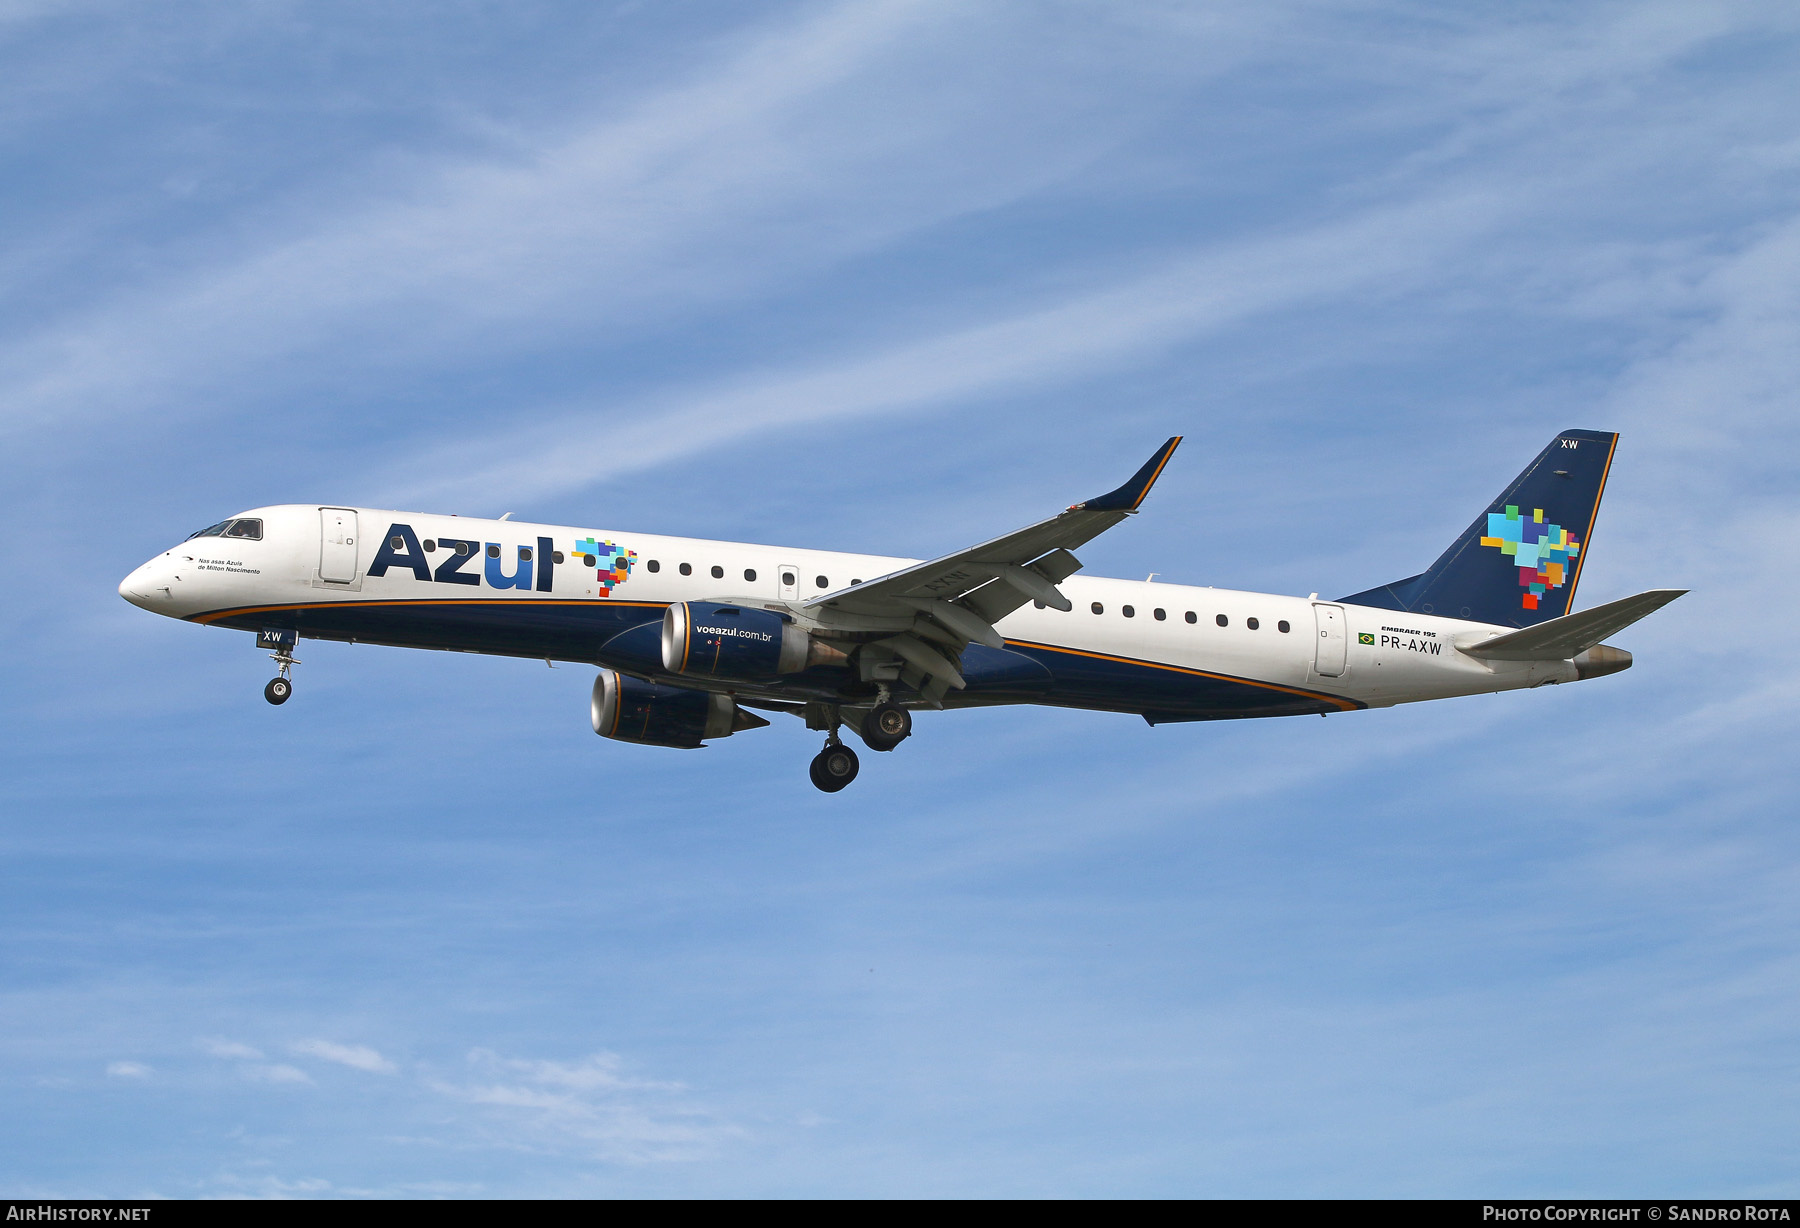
pixel 951 601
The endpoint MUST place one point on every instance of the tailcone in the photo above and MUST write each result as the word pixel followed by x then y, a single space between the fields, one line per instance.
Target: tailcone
pixel 1600 660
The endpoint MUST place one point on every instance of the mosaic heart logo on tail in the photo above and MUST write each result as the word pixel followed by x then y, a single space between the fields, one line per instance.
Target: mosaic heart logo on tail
pixel 612 564
pixel 1544 553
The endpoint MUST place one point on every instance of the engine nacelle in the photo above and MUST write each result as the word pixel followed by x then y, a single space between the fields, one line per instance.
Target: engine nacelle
pixel 734 641
pixel 631 710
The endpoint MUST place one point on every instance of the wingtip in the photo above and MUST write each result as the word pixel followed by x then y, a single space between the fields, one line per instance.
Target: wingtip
pixel 1127 497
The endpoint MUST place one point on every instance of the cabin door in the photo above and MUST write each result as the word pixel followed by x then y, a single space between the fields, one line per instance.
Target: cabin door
pixel 337 544
pixel 1330 647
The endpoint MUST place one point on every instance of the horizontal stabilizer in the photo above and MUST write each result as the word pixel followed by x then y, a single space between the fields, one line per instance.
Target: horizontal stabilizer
pixel 1563 638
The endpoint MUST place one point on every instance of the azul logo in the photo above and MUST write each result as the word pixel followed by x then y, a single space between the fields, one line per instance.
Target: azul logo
pixel 468 562
pixel 1544 553
pixel 612 564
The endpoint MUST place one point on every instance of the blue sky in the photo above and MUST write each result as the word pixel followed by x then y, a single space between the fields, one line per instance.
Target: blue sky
pixel 895 277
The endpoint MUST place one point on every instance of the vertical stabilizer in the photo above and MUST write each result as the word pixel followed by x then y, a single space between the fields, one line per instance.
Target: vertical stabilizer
pixel 1519 563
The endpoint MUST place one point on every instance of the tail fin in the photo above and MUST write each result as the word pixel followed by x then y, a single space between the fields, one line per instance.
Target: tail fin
pixel 1518 564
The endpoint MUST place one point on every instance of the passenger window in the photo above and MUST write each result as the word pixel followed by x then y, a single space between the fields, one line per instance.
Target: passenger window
pixel 1190 617
pixel 556 556
pixel 493 551
pixel 1098 608
pixel 431 545
pixel 525 554
pixel 1160 614
pixel 686 569
pixel 398 543
pixel 750 574
pixel 653 565
pixel 1252 623
pixel 587 560
pixel 718 573
pixel 821 581
pixel 1222 621
pixel 1283 627
pixel 787 578
pixel 1128 612
pixel 464 548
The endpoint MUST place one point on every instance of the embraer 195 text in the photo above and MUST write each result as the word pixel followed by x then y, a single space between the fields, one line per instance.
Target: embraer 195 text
pixel 693 635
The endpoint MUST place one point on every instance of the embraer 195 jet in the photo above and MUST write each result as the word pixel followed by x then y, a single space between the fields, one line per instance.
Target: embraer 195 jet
pixel 694 637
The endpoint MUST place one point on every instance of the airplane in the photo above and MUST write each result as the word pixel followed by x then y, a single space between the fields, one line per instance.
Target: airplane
pixel 693 638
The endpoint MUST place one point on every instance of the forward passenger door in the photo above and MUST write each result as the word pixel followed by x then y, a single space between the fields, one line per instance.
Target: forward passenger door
pixel 337 544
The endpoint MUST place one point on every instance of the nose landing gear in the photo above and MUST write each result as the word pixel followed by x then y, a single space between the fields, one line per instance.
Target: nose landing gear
pixel 282 641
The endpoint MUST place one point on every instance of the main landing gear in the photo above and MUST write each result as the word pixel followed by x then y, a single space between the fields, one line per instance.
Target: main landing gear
pixel 834 767
pixel 886 726
pixel 883 727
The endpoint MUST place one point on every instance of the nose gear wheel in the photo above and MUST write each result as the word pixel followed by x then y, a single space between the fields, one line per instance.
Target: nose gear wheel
pixel 280 688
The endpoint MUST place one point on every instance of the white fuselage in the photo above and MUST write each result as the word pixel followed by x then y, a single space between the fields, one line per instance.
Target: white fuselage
pixel 313 564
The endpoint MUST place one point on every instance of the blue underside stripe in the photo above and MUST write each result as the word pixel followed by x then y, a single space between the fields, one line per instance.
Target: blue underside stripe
pixel 578 630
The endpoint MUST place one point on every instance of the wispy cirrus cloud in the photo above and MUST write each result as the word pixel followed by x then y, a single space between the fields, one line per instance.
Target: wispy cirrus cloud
pixel 275 1072
pixel 219 1047
pixel 592 1106
pixel 357 1057
pixel 1197 293
pixel 598 1106
pixel 760 168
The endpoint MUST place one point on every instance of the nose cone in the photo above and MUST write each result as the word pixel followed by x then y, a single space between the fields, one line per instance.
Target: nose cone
pixel 143 588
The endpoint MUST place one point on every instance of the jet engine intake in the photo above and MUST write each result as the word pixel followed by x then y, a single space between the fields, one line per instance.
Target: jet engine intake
pixel 734 641
pixel 629 709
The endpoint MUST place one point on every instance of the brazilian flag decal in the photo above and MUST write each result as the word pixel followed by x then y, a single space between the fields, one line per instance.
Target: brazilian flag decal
pixel 1363 637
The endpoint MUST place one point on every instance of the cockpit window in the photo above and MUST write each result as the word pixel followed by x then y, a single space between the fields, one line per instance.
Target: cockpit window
pixel 245 527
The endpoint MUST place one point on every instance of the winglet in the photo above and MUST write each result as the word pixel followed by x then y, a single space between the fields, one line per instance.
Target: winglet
pixel 1128 496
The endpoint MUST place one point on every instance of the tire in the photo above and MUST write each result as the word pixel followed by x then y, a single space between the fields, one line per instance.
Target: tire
pixel 886 726
pixel 278 690
pixel 833 768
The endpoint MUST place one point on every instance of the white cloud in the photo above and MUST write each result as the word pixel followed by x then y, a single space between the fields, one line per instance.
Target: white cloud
pixel 127 1070
pixel 1204 292
pixel 591 1106
pixel 753 170
pixel 215 1046
pixel 276 1073
pixel 357 1057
